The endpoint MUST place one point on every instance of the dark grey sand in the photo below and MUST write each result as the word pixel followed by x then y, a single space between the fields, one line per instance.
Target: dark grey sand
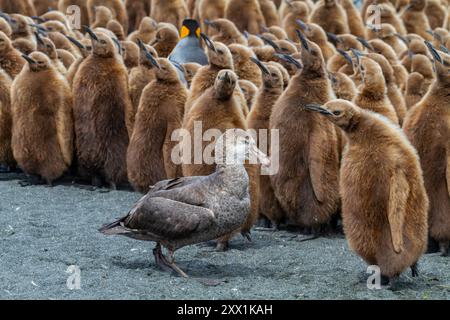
pixel 44 230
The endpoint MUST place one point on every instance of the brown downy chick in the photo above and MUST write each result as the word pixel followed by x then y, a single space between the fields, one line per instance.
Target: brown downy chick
pixel 223 30
pixel 46 46
pixel 246 15
pixel 24 7
pixel 306 183
pixel 141 75
pixel 427 127
pixel 253 40
pixel 146 31
pixel 160 113
pixel 389 15
pixel 270 13
pixel 331 16
pixel 343 86
pixel 414 89
pixel 42 6
pixel 416 46
pixel 387 228
pixel 210 10
pixel 137 10
pixel 25 46
pixel 42 136
pixel 387 33
pixel 286 6
pixel 355 21
pixel 243 65
pixel 130 51
pixel 117 29
pixel 84 47
pixel 436 14
pixel 393 92
pixel 297 11
pixel 102 16
pixel 284 72
pixel 171 11
pixel 277 31
pixel 66 58
pixel 10 58
pixel 249 90
pixel 7 161
pixel 220 58
pixel 190 70
pixel 5 27
pixel 423 65
pixel 372 94
pixel 20 27
pixel 117 8
pixel 343 43
pixel 102 110
pixel 259 119
pixel 415 19
pixel 166 39
pixel 316 34
pixel 400 72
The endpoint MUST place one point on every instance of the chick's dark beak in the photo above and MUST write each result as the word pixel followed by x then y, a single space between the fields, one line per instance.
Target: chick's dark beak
pixel 260 65
pixel 91 33
pixel 152 59
pixel 208 42
pixel 318 108
pixel 302 39
pixel 28 59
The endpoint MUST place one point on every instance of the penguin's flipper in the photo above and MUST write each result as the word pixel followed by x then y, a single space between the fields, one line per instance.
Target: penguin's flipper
pixel 398 196
pixel 318 153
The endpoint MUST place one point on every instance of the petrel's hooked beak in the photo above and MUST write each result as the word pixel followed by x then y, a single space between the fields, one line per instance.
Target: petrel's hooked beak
pixel 28 59
pixel 91 33
pixel 318 108
pixel 208 42
pixel 260 65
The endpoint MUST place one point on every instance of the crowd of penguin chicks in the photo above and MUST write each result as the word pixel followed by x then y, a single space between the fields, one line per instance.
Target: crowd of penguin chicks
pixel 363 112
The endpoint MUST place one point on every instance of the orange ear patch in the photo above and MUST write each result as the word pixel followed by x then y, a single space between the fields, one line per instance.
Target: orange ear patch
pixel 184 32
pixel 197 32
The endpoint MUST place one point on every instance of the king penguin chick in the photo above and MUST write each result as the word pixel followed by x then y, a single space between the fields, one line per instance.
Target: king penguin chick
pixel 160 113
pixel 7 161
pixel 298 11
pixel 331 16
pixel 171 11
pixel 65 57
pixel 137 10
pixel 259 119
pixel 165 41
pixel 246 15
pixel 84 51
pixel 142 75
pixel 190 70
pixel 308 193
pixel 249 90
pixel 415 19
pixel 5 27
pixel 10 58
pixel 414 89
pixel 130 53
pixel 387 228
pixel 219 58
pixel 316 34
pixel 102 16
pixel 42 136
pixel 423 65
pixel 223 30
pixel 372 94
pixel 45 45
pixel 188 48
pixel 146 31
pixel 355 21
pixel 101 107
pixel 427 127
pixel 270 13
pixel 115 27
pixel 243 65
pixel 209 10
pixel 343 86
pixel 388 34
pixel 225 114
pixel 117 8
pixel 436 13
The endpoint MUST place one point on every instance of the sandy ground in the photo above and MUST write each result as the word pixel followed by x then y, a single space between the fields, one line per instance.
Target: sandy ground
pixel 44 230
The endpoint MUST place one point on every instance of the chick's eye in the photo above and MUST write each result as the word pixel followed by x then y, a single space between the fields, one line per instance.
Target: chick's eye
pixel 337 113
pixel 220 51
pixel 273 75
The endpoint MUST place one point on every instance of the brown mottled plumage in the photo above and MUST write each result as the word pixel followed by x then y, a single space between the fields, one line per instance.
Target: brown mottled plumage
pixel 171 11
pixel 243 66
pixel 415 19
pixel 246 15
pixel 223 30
pixel 331 16
pixel 166 38
pixel 210 10
pixel 117 8
pixel 146 31
pixel 7 161
pixel 10 58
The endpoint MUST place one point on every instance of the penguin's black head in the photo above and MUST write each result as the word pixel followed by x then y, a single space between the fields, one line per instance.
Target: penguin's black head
pixel 190 28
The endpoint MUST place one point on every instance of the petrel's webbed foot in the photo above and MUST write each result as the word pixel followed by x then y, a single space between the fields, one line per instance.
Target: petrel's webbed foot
pixel 415 270
pixel 167 265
